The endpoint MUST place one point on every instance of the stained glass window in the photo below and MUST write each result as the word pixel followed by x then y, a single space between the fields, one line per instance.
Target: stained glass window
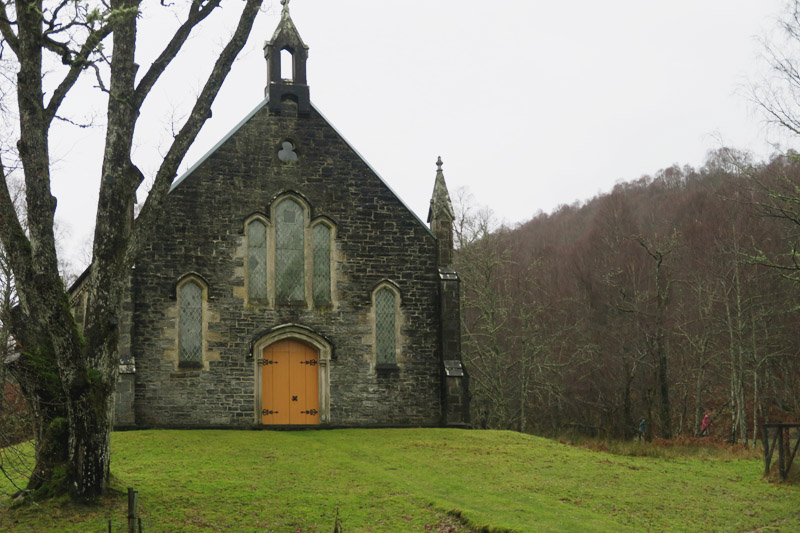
pixel 191 322
pixel 321 240
pixel 257 260
pixel 289 252
pixel 385 343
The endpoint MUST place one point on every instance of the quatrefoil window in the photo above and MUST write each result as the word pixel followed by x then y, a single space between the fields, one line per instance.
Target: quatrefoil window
pixel 287 153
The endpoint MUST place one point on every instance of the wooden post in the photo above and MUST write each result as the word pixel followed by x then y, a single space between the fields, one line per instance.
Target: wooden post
pixel 792 452
pixel 133 503
pixel 786 452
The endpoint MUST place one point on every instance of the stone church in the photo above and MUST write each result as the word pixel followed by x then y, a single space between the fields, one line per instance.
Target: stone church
pixel 290 286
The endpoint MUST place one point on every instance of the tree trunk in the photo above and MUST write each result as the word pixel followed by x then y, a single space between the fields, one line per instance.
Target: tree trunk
pixel 90 423
pixel 684 408
pixel 661 354
pixel 629 422
pixel 664 413
pixel 736 330
pixel 523 400
pixel 37 375
pixel 755 408
pixel 698 401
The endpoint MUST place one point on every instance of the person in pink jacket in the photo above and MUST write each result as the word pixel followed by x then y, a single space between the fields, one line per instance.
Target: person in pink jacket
pixel 705 426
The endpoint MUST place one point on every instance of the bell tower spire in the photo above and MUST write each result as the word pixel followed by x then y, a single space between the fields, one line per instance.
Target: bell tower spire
pixel 441 217
pixel 287 45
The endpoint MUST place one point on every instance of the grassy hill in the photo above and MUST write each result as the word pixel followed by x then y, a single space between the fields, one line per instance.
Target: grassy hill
pixel 409 480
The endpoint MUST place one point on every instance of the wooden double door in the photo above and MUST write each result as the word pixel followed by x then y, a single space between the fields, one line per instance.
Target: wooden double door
pixel 289 383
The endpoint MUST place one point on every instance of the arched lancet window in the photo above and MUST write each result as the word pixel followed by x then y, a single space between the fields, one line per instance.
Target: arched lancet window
pixel 321 245
pixel 257 260
pixel 385 330
pixel 289 251
pixel 190 340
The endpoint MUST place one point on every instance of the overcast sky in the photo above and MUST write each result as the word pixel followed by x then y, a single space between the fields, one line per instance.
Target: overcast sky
pixel 531 104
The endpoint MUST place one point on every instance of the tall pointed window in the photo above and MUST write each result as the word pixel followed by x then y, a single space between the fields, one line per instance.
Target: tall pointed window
pixel 385 332
pixel 190 296
pixel 257 260
pixel 321 240
pixel 289 251
pixel 289 259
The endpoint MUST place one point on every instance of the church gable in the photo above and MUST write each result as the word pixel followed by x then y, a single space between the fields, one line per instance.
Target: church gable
pixel 272 152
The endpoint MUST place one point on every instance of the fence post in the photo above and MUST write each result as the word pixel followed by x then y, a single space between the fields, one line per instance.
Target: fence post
pixel 133 503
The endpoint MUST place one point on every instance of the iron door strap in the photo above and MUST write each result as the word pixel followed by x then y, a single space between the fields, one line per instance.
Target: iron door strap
pixel 268 412
pixel 267 362
pixel 311 362
pixel 311 412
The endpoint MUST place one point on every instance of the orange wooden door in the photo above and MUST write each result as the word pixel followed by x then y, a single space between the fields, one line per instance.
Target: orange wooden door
pixel 289 383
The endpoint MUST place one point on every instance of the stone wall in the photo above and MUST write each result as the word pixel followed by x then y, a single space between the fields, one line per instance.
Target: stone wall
pixel 377 239
pixel 124 401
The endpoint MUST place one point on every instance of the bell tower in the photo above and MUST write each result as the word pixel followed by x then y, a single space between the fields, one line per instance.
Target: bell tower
pixel 286 45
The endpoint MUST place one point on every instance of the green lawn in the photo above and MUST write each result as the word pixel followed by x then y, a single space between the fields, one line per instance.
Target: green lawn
pixel 407 480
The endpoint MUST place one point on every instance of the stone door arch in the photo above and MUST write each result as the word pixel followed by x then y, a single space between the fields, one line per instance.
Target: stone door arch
pixel 286 361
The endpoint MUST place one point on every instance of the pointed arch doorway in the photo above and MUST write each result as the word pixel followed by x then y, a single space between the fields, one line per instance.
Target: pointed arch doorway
pixel 292 376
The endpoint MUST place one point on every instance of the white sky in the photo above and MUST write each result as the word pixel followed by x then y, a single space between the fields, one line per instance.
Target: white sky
pixel 530 103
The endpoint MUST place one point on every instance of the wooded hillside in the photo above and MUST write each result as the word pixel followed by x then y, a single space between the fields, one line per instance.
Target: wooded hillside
pixel 672 296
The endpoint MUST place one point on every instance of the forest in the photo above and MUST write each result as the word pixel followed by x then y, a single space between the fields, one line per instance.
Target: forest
pixel 670 297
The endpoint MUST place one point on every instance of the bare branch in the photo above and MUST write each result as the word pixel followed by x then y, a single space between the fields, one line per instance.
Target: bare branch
pixel 72 122
pixel 12 235
pixel 196 15
pixel 6 30
pixel 200 113
pixel 78 65
pixel 52 22
pixel 100 83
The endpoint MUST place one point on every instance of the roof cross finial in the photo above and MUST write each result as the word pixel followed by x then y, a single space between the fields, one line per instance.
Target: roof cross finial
pixel 439 164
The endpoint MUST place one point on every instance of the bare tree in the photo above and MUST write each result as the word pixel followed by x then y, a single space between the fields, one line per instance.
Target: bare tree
pixel 100 38
pixel 513 326
pixel 658 333
pixel 778 96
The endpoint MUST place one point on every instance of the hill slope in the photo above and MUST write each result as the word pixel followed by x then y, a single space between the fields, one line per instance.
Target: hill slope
pixel 404 480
